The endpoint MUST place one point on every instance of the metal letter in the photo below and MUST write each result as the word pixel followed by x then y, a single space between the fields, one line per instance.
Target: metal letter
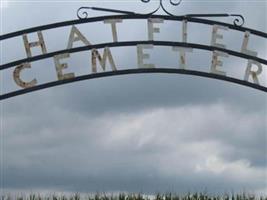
pixel 151 28
pixel 254 74
pixel 102 60
pixel 184 35
pixel 245 45
pixel 216 36
pixel 113 27
pixel 215 62
pixel 17 79
pixel 60 67
pixel 76 35
pixel 249 71
pixel 182 51
pixel 141 56
pixel 28 45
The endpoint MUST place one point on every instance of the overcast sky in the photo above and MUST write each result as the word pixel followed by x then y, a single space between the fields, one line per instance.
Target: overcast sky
pixel 136 133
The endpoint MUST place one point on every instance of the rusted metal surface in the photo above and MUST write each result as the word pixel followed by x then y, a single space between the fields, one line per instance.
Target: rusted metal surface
pixel 249 72
pixel 141 56
pixel 75 36
pixel 184 33
pixel 17 76
pixel 60 66
pixel 151 28
pixel 102 60
pixel 182 52
pixel 254 74
pixel 215 63
pixel 113 23
pixel 216 35
pixel 28 45
pixel 245 45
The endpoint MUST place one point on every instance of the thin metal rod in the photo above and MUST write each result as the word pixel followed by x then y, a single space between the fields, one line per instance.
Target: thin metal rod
pixel 133 71
pixel 96 19
pixel 107 10
pixel 132 43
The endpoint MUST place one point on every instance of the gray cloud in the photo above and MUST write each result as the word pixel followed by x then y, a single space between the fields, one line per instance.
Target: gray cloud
pixel 128 151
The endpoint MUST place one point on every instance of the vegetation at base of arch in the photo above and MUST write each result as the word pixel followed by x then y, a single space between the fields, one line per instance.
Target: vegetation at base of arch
pixel 124 196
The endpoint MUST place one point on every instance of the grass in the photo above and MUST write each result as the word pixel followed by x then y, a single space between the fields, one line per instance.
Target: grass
pixel 124 196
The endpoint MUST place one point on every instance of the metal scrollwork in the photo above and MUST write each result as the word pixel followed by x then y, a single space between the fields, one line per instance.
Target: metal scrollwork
pixel 161 5
pixel 239 20
pixel 83 12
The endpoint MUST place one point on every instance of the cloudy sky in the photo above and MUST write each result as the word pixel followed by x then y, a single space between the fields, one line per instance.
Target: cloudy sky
pixel 136 133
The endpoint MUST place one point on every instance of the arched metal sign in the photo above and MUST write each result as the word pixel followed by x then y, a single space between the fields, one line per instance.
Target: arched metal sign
pixel 252 73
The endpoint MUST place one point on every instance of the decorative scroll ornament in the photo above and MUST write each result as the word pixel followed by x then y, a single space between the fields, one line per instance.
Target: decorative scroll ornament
pixel 238 21
pixel 83 12
pixel 161 5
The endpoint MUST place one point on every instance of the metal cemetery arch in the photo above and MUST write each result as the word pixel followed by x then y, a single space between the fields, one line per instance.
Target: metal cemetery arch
pixel 124 15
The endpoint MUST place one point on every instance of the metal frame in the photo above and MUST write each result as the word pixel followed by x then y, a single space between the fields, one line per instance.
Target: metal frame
pixel 132 43
pixel 189 18
pixel 133 71
pixel 133 16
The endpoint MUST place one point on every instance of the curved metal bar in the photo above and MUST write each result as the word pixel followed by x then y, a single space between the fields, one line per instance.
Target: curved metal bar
pixel 82 12
pixel 133 71
pixel 150 13
pixel 132 43
pixel 172 3
pixel 189 18
pixel 175 3
pixel 238 22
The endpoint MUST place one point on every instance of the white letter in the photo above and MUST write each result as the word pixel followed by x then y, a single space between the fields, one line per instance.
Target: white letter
pixel 216 36
pixel 60 67
pixel 102 61
pixel 254 74
pixel 141 56
pixel 113 27
pixel 216 62
pixel 182 51
pixel 249 71
pixel 245 45
pixel 40 43
pixel 76 35
pixel 16 76
pixel 184 34
pixel 151 29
